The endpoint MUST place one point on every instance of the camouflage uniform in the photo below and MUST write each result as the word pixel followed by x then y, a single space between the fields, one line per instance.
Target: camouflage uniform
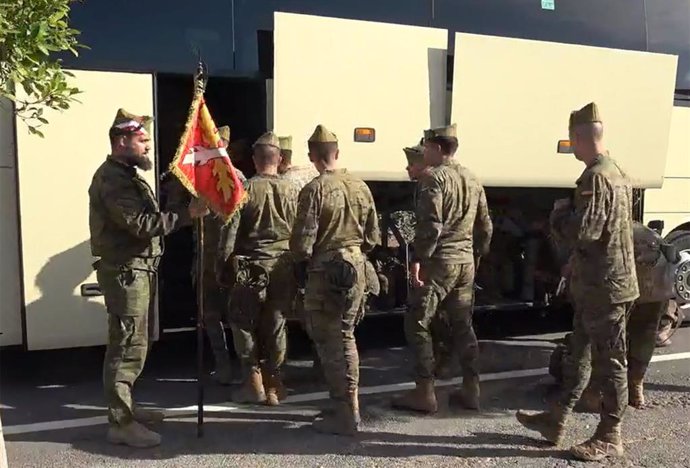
pixel 215 295
pixel 264 281
pixel 451 214
pixel 336 225
pixel 440 324
pixel 126 227
pixel 655 289
pixel 603 286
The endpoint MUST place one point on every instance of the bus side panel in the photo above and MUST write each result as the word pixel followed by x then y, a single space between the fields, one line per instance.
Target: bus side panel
pixel 346 74
pixel 671 202
pixel 54 176
pixel 10 278
pixel 512 99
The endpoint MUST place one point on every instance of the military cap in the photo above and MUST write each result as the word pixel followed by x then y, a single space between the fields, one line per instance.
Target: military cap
pixel 126 122
pixel 448 131
pixel 414 154
pixel 224 132
pixel 269 138
pixel 588 114
pixel 285 143
pixel 322 135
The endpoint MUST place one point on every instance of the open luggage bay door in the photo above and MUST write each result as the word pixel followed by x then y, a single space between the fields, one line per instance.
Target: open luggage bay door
pixel 387 80
pixel 62 302
pixel 512 99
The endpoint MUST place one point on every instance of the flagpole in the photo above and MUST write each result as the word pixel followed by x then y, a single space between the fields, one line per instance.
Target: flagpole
pixel 200 326
pixel 199 86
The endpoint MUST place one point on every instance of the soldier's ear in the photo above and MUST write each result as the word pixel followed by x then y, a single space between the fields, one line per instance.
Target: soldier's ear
pixel 337 153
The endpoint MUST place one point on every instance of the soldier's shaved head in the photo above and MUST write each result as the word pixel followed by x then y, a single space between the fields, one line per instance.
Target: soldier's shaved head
pixel 266 158
pixel 587 141
pixel 593 131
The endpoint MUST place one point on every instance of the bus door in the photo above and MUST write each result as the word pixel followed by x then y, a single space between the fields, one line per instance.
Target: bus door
pixel 63 305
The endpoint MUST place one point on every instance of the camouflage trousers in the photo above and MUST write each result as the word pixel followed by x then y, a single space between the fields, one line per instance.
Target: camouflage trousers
pixel 215 305
pixel 641 335
pixel 333 302
pixel 448 286
pixel 129 297
pixel 598 338
pixel 260 296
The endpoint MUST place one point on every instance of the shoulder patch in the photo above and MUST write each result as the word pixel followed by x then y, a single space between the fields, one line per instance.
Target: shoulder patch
pixel 587 192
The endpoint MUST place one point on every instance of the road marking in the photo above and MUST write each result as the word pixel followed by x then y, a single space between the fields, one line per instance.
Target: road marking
pixel 303 398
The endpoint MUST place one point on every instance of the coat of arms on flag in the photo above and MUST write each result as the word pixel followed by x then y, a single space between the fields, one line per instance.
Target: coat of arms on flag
pixel 203 166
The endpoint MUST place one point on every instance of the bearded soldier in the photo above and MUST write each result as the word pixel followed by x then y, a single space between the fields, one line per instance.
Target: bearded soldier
pixel 453 227
pixel 603 286
pixel 336 225
pixel 126 227
pixel 257 238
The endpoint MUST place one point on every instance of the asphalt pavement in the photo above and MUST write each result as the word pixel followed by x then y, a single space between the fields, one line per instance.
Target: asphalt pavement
pixel 53 415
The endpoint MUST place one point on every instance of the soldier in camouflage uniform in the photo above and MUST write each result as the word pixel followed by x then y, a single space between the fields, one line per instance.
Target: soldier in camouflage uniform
pixel 126 227
pixel 258 239
pixel 603 287
pixel 440 324
pixel 453 227
pixel 336 226
pixel 301 176
pixel 655 289
pixel 215 295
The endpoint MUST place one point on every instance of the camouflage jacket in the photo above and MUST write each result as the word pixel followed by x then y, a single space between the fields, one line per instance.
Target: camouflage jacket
pixel 263 225
pixel 453 222
pixel 124 218
pixel 599 230
pixel 336 211
pixel 301 175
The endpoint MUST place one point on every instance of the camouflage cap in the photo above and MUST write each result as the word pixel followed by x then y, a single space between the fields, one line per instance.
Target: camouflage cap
pixel 588 114
pixel 448 131
pixel 126 122
pixel 224 133
pixel 414 154
pixel 269 138
pixel 285 143
pixel 322 135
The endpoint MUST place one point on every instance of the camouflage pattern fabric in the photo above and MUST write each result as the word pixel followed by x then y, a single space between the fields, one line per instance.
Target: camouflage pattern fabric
pixel 641 334
pixel 452 216
pixel 126 226
pixel 598 338
pixel 447 286
pixel 336 224
pixel 600 233
pixel 264 282
pixel 301 175
pixel 262 291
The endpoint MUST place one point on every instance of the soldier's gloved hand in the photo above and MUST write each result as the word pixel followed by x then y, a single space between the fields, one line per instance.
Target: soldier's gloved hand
pixel 198 208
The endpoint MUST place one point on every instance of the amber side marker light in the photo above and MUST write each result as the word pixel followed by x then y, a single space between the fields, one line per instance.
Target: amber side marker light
pixel 365 135
pixel 564 147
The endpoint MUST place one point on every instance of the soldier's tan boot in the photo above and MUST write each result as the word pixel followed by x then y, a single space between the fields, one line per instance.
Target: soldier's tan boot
pixel 252 389
pixel 342 420
pixel 635 392
pixel 422 398
pixel 468 396
pixel 604 444
pixel 550 424
pixel 148 415
pixel 134 435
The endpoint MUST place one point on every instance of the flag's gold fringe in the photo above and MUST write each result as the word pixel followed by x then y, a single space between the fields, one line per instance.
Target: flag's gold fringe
pixel 198 96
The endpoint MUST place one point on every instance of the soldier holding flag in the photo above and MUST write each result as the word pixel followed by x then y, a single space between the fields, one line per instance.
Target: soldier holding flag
pixel 126 227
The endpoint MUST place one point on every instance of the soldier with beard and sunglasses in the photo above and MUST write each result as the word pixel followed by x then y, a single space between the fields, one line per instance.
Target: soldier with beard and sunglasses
pixel 126 226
